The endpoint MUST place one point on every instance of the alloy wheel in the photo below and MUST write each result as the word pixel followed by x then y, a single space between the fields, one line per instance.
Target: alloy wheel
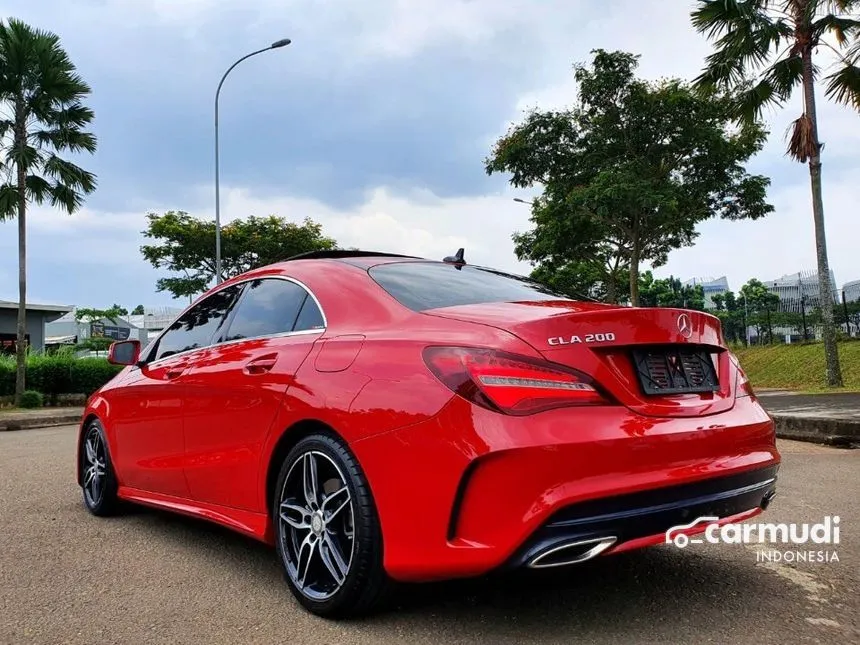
pixel 317 525
pixel 95 467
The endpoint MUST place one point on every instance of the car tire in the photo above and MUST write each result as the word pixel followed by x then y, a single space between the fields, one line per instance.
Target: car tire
pixel 98 479
pixel 327 532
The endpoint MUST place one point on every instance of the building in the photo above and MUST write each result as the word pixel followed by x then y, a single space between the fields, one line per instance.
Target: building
pixel 801 286
pixel 851 291
pixel 154 320
pixel 69 331
pixel 711 287
pixel 38 317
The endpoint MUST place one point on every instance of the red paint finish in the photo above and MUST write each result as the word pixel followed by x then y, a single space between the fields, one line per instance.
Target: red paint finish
pixel 466 459
pixel 146 411
pixel 233 394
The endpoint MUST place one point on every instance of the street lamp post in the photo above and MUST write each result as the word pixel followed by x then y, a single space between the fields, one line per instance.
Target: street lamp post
pixel 275 45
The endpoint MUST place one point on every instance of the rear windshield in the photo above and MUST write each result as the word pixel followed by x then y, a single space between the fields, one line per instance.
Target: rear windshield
pixel 420 285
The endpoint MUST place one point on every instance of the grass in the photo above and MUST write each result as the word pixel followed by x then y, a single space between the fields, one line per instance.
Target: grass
pixel 799 367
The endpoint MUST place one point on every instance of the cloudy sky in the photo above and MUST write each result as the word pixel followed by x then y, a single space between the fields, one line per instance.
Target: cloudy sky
pixel 375 122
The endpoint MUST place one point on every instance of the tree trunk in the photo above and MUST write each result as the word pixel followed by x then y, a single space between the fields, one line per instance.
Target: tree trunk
pixel 611 287
pixel 825 291
pixel 634 264
pixel 611 291
pixel 21 348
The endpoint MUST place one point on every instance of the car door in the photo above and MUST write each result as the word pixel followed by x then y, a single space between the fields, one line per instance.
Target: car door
pixel 147 413
pixel 237 387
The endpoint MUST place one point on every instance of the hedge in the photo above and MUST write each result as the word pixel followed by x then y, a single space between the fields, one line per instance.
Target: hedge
pixel 53 375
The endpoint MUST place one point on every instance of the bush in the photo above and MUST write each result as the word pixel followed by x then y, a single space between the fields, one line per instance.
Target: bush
pixel 58 374
pixel 31 399
pixel 7 375
pixel 86 375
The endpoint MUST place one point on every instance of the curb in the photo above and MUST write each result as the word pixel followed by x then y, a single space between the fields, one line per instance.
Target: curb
pixel 10 425
pixel 844 433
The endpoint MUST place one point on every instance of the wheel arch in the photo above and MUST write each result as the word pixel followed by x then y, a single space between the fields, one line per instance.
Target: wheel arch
pixel 82 431
pixel 289 438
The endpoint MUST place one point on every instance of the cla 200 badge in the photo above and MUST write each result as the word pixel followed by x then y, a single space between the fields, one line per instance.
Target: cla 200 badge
pixel 588 338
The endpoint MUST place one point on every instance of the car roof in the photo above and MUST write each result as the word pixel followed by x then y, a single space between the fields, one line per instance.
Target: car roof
pixel 361 259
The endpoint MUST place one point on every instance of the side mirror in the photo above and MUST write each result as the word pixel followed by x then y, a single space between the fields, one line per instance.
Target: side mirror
pixel 124 352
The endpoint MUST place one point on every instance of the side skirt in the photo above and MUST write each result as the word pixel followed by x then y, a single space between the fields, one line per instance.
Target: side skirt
pixel 253 525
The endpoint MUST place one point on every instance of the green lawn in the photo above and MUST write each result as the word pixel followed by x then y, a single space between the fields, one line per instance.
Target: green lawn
pixel 798 367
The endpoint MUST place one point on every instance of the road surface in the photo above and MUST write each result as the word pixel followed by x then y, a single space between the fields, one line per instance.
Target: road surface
pixel 149 577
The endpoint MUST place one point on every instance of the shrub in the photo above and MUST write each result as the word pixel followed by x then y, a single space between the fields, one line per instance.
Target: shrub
pixel 86 375
pixel 31 399
pixel 58 374
pixel 7 375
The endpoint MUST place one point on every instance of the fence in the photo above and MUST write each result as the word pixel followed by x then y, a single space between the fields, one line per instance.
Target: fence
pixel 796 317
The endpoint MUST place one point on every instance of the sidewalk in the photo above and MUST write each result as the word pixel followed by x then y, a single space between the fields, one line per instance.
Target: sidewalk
pixel 832 419
pixel 40 418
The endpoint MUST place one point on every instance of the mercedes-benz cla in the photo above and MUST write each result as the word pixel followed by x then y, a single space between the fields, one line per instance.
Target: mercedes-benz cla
pixel 380 418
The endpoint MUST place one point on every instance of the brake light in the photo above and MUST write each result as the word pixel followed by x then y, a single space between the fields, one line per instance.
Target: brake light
pixel 509 383
pixel 744 387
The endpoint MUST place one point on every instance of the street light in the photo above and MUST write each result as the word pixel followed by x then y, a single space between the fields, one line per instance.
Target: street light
pixel 524 201
pixel 275 45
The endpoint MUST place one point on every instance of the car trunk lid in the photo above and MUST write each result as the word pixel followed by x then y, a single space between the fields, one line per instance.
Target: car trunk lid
pixel 657 361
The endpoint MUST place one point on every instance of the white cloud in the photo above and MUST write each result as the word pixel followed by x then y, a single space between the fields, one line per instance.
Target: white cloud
pixel 423 224
pixel 418 223
pixel 546 35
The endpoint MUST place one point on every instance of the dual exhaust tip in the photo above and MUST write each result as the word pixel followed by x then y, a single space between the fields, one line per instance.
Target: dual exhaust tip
pixel 571 553
pixel 578 551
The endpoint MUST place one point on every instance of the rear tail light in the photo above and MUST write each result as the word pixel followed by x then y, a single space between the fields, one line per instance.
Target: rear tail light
pixel 508 383
pixel 744 387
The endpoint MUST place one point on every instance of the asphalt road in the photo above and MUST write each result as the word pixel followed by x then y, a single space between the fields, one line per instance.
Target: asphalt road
pixel 148 577
pixel 839 405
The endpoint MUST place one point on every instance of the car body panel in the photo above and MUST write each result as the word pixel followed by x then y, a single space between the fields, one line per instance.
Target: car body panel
pixel 146 427
pixel 459 488
pixel 515 472
pixel 233 393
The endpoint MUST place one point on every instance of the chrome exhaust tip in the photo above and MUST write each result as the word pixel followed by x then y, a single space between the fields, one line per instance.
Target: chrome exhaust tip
pixel 571 553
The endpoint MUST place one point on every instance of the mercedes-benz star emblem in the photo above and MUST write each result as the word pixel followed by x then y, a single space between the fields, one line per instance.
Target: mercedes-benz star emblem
pixel 685 326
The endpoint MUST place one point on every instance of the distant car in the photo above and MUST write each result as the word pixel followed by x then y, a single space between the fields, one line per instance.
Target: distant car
pixel 381 418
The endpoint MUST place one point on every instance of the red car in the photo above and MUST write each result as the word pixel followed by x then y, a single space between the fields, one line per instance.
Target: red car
pixel 382 418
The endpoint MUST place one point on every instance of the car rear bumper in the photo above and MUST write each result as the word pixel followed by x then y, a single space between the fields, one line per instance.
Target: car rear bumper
pixel 643 518
pixel 470 491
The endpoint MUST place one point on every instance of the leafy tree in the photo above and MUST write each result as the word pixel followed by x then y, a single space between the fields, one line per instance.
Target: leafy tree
pixel 732 316
pixel 138 311
pixel 764 51
pixel 89 314
pixel 760 305
pixel 602 275
pixel 185 244
pixel 42 116
pixel 670 292
pixel 629 171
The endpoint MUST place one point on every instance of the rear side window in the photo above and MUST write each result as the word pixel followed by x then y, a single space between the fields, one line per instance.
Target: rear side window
pixel 268 306
pixel 310 317
pixel 420 285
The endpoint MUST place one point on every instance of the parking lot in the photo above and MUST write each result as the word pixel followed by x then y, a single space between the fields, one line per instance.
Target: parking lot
pixel 150 577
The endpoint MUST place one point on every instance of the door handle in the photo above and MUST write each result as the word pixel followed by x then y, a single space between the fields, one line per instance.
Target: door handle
pixel 261 365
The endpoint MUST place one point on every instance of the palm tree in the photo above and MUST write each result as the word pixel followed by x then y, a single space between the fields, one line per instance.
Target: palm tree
pixel 764 50
pixel 41 115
